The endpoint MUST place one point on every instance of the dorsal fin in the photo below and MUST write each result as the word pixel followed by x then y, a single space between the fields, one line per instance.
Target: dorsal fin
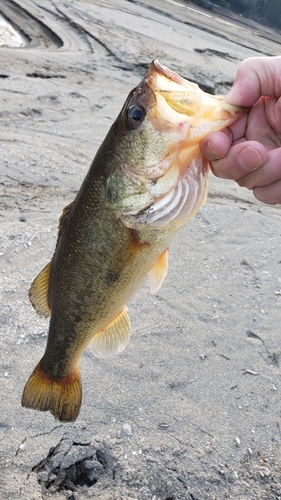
pixel 159 271
pixel 63 216
pixel 38 293
pixel 114 338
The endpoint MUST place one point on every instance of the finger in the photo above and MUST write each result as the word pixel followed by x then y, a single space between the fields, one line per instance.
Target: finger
pixel 238 128
pixel 272 108
pixel 216 144
pixel 255 77
pixel 262 116
pixel 241 159
pixel 270 194
pixel 269 172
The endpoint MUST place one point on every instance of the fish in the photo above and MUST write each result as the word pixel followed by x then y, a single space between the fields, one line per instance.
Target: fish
pixel 146 181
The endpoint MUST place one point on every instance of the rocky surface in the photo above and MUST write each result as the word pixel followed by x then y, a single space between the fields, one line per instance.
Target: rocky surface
pixel 191 409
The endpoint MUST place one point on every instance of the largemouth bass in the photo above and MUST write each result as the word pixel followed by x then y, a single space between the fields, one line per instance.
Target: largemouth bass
pixel 147 179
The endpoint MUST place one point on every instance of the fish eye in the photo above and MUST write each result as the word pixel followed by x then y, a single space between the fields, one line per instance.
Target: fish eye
pixel 135 115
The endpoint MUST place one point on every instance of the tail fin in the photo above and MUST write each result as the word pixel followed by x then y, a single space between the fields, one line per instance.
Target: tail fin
pixel 61 397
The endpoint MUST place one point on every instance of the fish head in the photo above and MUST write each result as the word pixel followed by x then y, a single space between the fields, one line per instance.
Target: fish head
pixel 160 177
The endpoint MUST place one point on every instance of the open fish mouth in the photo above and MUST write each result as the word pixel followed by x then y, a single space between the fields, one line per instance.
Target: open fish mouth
pixel 182 95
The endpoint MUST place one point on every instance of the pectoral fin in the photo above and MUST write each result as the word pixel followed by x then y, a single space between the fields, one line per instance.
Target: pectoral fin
pixel 124 259
pixel 114 338
pixel 159 271
pixel 38 293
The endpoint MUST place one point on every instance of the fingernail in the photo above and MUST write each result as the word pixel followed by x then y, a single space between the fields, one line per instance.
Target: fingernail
pixel 212 151
pixel 233 96
pixel 250 159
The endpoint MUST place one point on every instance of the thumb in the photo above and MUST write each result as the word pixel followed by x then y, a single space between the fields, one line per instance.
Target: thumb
pixel 255 77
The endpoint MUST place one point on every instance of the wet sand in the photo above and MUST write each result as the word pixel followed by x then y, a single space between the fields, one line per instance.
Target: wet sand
pixel 191 409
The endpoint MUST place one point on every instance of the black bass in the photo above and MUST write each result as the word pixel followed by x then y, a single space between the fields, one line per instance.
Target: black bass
pixel 147 179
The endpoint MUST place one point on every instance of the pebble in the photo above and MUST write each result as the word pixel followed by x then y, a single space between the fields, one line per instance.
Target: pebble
pixel 43 476
pixel 127 430
pixel 237 441
pixel 163 425
pixel 264 471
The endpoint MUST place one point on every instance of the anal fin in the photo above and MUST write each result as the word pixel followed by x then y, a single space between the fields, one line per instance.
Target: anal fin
pixel 114 338
pixel 159 271
pixel 38 293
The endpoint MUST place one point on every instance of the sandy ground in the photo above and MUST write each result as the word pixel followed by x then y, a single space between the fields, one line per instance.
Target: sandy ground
pixel 191 409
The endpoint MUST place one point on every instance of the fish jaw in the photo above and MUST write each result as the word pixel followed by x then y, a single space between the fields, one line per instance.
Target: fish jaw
pixel 169 185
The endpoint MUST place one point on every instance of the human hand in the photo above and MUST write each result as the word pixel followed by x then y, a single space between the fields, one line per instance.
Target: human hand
pixel 249 151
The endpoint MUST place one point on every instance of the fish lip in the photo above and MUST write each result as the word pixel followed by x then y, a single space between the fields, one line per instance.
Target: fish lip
pixel 157 67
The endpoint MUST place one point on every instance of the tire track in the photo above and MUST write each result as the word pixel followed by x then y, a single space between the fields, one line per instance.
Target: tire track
pixel 37 33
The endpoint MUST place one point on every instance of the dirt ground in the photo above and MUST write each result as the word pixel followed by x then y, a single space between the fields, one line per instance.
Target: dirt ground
pixel 191 410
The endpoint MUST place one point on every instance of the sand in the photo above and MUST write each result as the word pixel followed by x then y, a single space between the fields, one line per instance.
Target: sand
pixel 191 409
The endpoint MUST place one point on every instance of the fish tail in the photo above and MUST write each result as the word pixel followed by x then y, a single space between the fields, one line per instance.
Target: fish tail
pixel 61 397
